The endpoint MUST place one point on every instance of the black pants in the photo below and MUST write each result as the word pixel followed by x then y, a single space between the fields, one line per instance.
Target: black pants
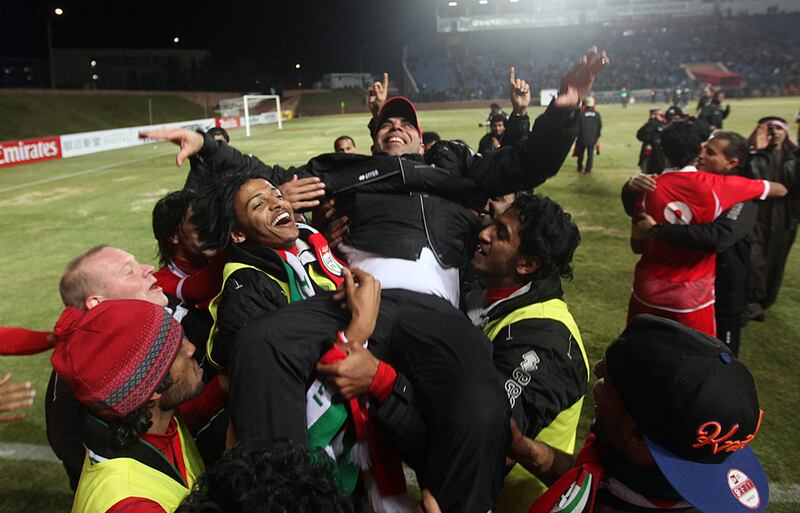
pixel 589 157
pixel 448 362
pixel 769 251
pixel 64 421
pixel 729 329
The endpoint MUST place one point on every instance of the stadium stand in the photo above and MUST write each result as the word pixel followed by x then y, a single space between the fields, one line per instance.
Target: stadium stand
pixel 761 49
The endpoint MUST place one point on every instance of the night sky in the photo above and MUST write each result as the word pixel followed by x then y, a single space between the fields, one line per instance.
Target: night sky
pixel 324 36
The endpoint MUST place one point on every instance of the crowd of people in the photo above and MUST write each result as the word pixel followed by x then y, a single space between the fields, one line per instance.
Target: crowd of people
pixel 648 55
pixel 313 329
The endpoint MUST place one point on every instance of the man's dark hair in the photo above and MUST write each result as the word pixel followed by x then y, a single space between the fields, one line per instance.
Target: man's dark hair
pixel 267 477
pixel 548 234
pixel 218 130
pixel 127 430
pixel 737 148
pixel 213 210
pixel 680 141
pixel 497 118
pixel 344 138
pixel 168 214
pixel 429 137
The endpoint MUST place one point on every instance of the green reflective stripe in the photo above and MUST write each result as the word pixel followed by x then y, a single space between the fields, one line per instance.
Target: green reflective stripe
pixel 579 494
pixel 229 269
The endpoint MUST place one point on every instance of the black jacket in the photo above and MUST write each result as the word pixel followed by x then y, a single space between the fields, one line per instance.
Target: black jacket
pixel 727 236
pixel 763 165
pixel 713 114
pixel 589 127
pixel 650 135
pixel 557 382
pixel 247 294
pixel 559 379
pixel 398 205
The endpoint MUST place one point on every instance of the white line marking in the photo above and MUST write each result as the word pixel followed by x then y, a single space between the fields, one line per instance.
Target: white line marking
pixel 81 173
pixel 27 452
pixel 784 493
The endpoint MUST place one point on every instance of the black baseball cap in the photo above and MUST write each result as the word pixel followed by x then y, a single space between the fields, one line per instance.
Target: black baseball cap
pixel 698 410
pixel 398 107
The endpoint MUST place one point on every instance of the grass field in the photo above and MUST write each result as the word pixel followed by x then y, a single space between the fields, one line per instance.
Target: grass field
pixel 41 115
pixel 51 211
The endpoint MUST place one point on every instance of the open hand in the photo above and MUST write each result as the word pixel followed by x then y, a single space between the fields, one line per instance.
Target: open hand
pixel 302 193
pixel 14 396
pixel 642 183
pixel 577 83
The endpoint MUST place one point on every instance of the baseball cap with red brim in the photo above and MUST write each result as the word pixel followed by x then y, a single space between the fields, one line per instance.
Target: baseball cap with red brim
pixel 398 107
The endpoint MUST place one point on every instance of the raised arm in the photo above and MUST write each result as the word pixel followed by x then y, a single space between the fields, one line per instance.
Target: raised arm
pixel 219 158
pixel 529 163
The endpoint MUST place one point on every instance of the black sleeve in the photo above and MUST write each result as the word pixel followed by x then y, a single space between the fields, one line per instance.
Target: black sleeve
pixel 220 158
pixel 599 125
pixel 544 371
pixel 646 133
pixel 247 294
pixel 403 423
pixel 530 162
pixel 484 145
pixel 628 197
pixel 729 228
pixel 517 129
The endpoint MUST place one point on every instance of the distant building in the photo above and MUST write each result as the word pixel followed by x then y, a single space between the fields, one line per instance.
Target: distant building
pixel 118 68
pixel 346 80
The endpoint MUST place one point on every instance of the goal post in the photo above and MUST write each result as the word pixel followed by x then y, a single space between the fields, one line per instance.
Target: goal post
pixel 248 110
pixel 265 118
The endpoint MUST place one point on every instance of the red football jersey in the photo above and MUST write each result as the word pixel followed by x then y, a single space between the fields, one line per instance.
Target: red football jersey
pixel 681 280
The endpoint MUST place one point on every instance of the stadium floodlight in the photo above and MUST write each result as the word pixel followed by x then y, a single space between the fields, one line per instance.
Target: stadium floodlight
pixel 452 4
pixel 483 2
pixel 58 11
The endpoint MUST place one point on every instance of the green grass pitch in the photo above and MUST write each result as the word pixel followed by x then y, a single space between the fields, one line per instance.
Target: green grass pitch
pixel 51 211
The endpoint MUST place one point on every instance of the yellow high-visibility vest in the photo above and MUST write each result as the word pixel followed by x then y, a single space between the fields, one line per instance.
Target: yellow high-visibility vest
pixel 520 487
pixel 105 483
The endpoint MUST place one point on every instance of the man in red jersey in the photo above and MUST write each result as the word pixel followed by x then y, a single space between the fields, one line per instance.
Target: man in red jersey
pixel 669 281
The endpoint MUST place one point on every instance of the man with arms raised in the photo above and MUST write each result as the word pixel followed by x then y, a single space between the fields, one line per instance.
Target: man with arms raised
pixel 410 227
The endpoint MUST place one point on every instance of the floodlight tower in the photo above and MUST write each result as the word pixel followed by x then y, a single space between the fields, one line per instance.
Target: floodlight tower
pixel 58 11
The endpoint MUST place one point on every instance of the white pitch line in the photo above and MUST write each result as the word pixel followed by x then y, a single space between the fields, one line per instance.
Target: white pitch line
pixel 80 173
pixel 27 452
pixel 780 493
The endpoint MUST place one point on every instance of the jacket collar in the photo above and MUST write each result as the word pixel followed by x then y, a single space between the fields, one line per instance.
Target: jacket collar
pixel 537 291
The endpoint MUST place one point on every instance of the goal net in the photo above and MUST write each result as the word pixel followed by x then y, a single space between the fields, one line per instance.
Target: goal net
pixel 250 110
